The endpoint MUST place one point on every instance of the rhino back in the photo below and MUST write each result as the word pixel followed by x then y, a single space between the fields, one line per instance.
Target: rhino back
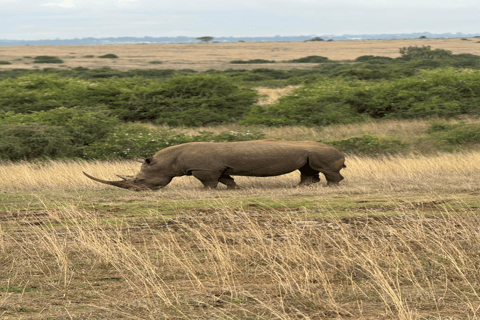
pixel 253 158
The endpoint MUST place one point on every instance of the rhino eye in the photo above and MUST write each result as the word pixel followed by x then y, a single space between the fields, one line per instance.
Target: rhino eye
pixel 148 161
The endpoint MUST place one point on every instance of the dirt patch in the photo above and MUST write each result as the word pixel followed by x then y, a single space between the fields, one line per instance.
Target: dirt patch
pixel 271 95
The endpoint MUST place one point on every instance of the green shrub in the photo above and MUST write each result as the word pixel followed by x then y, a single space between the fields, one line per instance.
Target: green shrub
pixel 310 59
pixel 187 101
pixel 317 104
pixel 183 100
pixel 109 56
pixel 424 52
pixel 253 61
pixel 47 59
pixel 4 62
pixel 30 141
pixel 440 92
pixel 374 59
pixel 155 62
pixel 85 125
pixel 457 135
pixel 355 73
pixel 369 145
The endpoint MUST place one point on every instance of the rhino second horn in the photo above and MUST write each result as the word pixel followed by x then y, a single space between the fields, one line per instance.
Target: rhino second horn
pixel 120 184
pixel 124 177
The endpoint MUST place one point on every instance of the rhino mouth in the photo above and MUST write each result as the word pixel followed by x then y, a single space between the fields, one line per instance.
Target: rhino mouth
pixel 124 183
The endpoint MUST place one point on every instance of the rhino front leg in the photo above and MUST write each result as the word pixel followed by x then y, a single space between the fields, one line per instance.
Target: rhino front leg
pixel 228 181
pixel 208 178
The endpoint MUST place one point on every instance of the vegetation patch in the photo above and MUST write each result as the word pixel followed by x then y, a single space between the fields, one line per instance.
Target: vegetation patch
pixel 369 145
pixel 47 59
pixel 109 56
pixel 252 61
pixel 310 59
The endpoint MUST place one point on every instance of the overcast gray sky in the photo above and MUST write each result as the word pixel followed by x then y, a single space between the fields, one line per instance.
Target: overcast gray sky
pixel 67 19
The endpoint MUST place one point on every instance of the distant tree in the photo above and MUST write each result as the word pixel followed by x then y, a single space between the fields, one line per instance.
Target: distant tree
pixel 423 37
pixel 205 39
pixel 315 39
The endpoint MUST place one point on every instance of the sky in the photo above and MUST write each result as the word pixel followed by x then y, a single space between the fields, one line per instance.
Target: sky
pixel 69 19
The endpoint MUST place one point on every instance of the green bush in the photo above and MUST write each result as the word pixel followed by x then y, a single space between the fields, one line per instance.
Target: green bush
pixel 30 141
pixel 252 61
pixel 457 135
pixel 369 145
pixel 4 62
pixel 187 101
pixel 440 92
pixel 424 52
pixel 374 59
pixel 85 125
pixel 109 56
pixel 47 59
pixel 183 100
pixel 317 104
pixel 310 59
pixel 364 73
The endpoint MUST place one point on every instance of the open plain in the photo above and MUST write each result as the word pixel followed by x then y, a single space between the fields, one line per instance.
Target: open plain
pixel 202 57
pixel 398 239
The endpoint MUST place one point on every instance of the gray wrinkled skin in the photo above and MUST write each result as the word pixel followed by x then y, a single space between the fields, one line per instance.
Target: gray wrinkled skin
pixel 212 163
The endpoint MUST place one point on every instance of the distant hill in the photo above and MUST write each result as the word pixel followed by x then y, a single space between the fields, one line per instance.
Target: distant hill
pixel 128 40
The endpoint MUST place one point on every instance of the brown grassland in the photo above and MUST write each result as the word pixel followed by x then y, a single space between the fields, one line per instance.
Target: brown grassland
pixel 217 56
pixel 398 239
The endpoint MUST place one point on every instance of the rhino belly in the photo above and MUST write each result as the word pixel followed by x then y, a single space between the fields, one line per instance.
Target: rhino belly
pixel 263 167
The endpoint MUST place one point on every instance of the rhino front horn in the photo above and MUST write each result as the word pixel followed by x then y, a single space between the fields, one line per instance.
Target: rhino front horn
pixel 121 184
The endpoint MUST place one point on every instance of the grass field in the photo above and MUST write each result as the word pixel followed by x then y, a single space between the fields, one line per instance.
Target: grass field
pixel 398 239
pixel 202 57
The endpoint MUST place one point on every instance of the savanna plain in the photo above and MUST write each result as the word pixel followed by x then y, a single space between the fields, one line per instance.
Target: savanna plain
pixel 399 238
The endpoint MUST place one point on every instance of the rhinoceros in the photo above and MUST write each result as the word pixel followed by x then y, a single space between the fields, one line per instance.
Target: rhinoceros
pixel 214 162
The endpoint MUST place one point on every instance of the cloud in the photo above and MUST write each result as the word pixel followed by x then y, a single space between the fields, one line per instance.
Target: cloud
pixel 63 4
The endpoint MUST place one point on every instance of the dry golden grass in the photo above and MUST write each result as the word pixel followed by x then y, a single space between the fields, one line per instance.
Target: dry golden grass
pixel 398 239
pixel 435 173
pixel 217 56
pixel 400 129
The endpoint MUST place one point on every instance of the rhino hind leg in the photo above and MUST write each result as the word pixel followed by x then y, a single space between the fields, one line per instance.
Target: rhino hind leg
pixel 308 175
pixel 228 181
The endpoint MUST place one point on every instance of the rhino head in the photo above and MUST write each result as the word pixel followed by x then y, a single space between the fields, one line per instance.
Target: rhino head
pixel 125 183
pixel 149 178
